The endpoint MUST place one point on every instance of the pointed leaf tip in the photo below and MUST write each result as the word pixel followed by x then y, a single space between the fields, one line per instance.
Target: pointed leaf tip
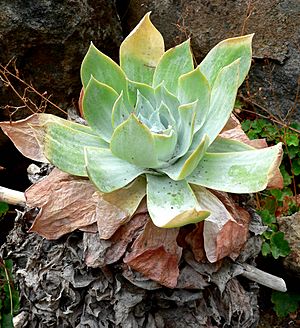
pixel 174 63
pixel 141 50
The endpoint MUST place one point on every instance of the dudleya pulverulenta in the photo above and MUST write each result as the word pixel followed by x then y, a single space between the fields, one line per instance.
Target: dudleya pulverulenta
pixel 153 126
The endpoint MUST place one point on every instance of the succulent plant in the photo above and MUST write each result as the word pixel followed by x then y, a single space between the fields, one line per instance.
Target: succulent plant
pixel 154 124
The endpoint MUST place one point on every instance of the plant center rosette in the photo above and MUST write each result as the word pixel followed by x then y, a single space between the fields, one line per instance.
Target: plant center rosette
pixel 157 128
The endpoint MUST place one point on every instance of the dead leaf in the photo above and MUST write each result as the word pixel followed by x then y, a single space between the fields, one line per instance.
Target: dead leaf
pixel 24 135
pixel 66 203
pixel 225 230
pixel 92 228
pixel 156 255
pixel 189 278
pixel 94 250
pixel 99 252
pixel 116 208
pixel 234 233
pixel 195 241
pixel 124 236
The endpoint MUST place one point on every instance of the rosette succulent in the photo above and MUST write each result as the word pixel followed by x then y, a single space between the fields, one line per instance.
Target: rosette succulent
pixel 153 125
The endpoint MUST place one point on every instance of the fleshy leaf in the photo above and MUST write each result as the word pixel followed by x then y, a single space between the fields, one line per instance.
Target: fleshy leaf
pixel 98 102
pixel 117 207
pixel 174 63
pixel 224 54
pixel 222 101
pixel 166 116
pixel 144 89
pixel 133 142
pixel 108 172
pixel 162 95
pixel 223 235
pixel 165 144
pixel 103 69
pixel 172 203
pixel 225 145
pixel 143 107
pixel 28 134
pixel 186 128
pixel 120 112
pixel 64 147
pixel 240 172
pixel 194 86
pixel 141 50
pixel 187 164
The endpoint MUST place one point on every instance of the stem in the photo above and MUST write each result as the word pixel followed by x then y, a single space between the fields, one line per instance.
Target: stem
pixel 12 197
pixel 263 278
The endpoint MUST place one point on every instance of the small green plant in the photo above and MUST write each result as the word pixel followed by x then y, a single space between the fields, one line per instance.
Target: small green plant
pixel 272 203
pixel 285 303
pixel 9 296
pixel 3 209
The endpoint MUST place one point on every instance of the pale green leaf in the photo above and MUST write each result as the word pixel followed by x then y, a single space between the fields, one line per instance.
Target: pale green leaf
pixel 166 116
pixel 165 144
pixel 172 203
pixel 186 127
pixel 98 102
pixel 64 147
pixel 144 89
pixel 187 163
pixel 143 107
pixel 194 86
pixel 103 69
pixel 120 112
pixel 155 123
pixel 223 96
pixel 175 62
pixel 239 172
pixel 226 145
pixel 133 142
pixel 162 95
pixel 224 54
pixel 107 172
pixel 141 50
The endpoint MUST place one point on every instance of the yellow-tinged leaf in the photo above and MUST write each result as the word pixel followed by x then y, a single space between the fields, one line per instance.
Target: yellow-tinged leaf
pixel 141 50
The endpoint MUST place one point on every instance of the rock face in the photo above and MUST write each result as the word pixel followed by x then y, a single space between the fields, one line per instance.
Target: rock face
pixel 274 76
pixel 49 40
pixel 290 225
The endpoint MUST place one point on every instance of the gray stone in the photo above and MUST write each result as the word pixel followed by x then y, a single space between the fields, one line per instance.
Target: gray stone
pixel 290 225
pixel 49 40
pixel 274 76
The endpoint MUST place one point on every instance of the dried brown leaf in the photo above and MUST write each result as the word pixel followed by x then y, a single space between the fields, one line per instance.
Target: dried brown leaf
pixel 116 208
pixel 156 255
pixel 195 241
pixel 124 236
pixel 225 230
pixel 234 233
pixel 24 135
pixel 99 252
pixel 92 228
pixel 66 203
